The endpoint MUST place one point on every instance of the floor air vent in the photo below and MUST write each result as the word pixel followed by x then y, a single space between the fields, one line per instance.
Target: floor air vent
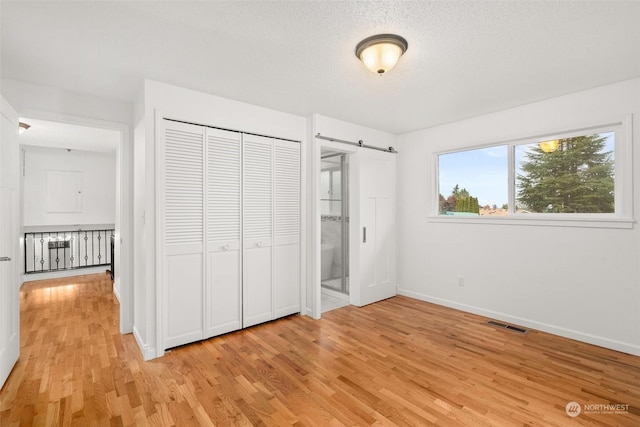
pixel 503 325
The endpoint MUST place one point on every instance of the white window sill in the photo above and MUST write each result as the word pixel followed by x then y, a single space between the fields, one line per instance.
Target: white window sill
pixel 537 220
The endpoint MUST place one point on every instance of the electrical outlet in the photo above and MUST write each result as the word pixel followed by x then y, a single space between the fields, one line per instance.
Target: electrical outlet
pixel 460 280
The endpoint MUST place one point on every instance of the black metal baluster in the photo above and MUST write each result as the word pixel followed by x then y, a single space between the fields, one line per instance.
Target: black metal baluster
pixel 33 243
pixel 71 239
pixel 42 251
pixel 86 249
pixel 25 253
pixel 64 250
pixel 54 241
pixel 99 247
pixel 57 252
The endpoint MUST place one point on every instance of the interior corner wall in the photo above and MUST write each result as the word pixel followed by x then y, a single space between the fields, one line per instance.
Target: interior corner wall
pixel 581 283
pixel 98 171
pixel 163 100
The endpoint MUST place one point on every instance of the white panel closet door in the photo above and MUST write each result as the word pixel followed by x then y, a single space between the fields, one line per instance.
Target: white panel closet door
pixel 182 231
pixel 286 228
pixel 257 230
pixel 224 272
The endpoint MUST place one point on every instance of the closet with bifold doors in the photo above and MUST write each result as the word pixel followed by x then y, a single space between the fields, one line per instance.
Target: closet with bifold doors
pixel 229 230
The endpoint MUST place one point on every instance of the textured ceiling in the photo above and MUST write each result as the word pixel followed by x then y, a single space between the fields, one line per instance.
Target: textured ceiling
pixel 464 58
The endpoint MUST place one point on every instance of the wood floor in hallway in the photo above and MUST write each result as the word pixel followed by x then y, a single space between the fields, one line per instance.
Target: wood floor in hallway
pixel 397 362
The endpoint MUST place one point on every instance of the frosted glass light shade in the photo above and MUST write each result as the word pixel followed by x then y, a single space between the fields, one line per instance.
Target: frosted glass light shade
pixel 549 146
pixel 381 53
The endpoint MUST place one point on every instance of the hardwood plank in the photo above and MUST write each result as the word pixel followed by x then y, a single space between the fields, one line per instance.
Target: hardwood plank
pixel 397 362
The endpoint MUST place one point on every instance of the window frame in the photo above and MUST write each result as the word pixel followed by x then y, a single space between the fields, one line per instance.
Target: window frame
pixel 622 217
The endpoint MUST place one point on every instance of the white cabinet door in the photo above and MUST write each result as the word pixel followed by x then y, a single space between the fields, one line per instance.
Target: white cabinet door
pixel 257 230
pixel 286 187
pixel 224 274
pixel 9 235
pixel 375 263
pixel 181 216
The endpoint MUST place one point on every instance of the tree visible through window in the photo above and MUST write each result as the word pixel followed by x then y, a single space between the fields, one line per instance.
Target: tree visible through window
pixel 570 175
pixel 574 175
pixel 459 201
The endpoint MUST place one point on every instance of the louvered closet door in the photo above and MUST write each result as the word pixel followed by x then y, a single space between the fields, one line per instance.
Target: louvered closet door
pixel 257 230
pixel 224 273
pixel 286 228
pixel 181 162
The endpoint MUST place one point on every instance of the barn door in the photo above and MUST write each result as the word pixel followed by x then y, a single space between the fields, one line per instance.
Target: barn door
pixel 374 227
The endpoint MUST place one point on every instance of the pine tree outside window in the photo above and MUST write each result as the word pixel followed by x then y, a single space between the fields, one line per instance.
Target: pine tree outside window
pixel 576 177
pixel 582 175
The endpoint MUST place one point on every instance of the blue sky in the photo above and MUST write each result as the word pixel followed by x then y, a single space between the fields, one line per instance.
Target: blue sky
pixel 483 172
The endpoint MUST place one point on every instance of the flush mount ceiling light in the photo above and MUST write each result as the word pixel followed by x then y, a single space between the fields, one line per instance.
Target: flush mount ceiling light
pixel 549 146
pixel 23 127
pixel 381 52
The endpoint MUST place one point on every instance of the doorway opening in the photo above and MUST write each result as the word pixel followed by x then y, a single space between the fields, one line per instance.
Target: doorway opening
pixel 334 229
pixel 93 140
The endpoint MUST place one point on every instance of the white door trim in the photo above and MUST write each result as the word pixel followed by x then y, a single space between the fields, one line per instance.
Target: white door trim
pixel 316 235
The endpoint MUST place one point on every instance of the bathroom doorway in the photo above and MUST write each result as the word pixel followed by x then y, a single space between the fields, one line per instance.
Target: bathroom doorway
pixel 334 211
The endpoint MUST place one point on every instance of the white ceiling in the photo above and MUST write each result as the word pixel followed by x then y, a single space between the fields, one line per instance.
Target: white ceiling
pixel 44 133
pixel 465 58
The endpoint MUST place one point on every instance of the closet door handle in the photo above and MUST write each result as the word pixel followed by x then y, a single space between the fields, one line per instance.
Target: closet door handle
pixel 364 234
pixel 225 247
pixel 5 258
pixel 259 244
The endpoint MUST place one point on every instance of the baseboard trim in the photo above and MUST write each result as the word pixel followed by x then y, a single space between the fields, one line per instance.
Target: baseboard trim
pixel 544 327
pixel 63 273
pixel 148 353
pixel 116 292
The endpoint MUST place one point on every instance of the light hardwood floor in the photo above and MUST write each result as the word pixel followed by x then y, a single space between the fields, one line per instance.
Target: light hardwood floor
pixel 397 362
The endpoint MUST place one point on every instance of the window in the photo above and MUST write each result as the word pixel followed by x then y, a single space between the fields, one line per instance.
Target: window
pixel 567 175
pixel 570 175
pixel 473 179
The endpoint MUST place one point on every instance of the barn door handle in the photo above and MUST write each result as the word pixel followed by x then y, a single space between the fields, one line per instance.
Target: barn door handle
pixel 364 234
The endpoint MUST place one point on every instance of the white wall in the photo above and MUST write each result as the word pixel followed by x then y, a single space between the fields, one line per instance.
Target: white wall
pixel 161 100
pixel 588 290
pixel 98 198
